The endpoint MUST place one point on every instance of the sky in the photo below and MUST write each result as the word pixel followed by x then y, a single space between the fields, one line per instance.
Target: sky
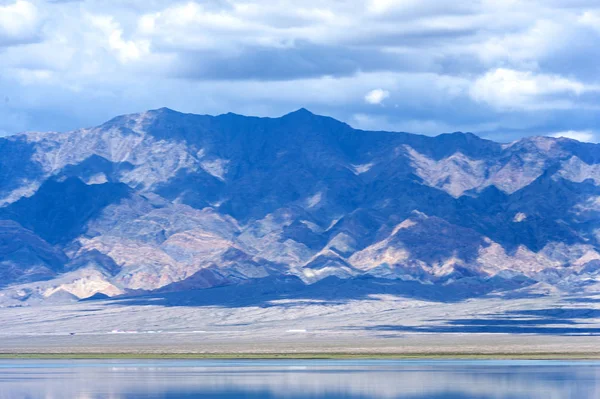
pixel 503 69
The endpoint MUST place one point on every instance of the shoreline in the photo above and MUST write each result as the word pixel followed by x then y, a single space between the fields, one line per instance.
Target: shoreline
pixel 301 346
pixel 300 356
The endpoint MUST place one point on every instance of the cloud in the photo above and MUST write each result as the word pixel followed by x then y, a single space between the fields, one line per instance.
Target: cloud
pixel 125 50
pixel 19 23
pixel 587 136
pixel 303 60
pixel 505 69
pixel 416 8
pixel 507 89
pixel 591 19
pixel 376 96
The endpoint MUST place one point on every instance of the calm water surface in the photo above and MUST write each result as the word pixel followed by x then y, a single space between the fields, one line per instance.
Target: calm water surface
pixel 299 379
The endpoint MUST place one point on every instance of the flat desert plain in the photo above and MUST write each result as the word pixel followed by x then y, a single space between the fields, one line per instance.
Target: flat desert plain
pixel 547 327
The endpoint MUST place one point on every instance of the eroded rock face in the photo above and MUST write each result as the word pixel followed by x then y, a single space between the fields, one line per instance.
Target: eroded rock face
pixel 169 201
pixel 24 256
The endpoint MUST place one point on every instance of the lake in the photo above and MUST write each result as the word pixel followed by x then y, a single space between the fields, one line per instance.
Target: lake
pixel 298 379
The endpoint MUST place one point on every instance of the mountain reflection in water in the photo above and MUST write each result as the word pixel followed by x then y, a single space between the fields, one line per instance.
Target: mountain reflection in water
pixel 131 379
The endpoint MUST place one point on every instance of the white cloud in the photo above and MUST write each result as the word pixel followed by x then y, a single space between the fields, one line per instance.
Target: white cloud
pixel 522 48
pixel 380 6
pixel 126 50
pixel 508 89
pixel 19 23
pixel 376 96
pixel 591 19
pixel 414 8
pixel 194 26
pixel 586 136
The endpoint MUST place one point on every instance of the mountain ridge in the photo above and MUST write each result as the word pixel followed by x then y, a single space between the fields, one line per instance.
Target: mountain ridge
pixel 167 199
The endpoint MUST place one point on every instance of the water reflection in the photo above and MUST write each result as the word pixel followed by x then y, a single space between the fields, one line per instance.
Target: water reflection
pixel 298 379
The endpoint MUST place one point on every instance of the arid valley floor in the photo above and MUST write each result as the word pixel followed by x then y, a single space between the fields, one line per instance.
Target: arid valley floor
pixel 550 326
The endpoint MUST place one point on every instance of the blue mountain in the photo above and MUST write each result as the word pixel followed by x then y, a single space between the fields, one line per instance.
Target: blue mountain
pixel 163 201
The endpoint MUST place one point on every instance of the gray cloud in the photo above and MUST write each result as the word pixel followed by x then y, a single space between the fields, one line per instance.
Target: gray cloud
pixel 302 60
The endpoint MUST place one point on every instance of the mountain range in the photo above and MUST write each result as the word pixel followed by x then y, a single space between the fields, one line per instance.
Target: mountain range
pixel 167 202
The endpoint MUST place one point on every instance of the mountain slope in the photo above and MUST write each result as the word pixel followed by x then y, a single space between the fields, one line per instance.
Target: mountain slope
pixel 168 201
